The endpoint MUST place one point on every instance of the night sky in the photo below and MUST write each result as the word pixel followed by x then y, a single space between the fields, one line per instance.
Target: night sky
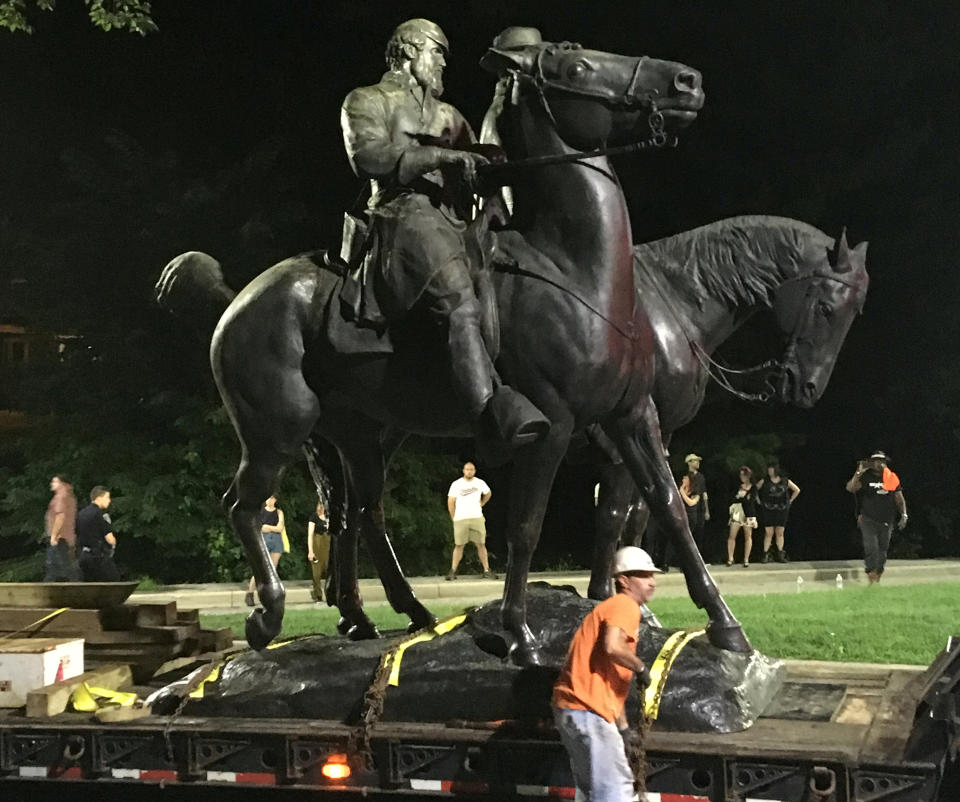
pixel 838 114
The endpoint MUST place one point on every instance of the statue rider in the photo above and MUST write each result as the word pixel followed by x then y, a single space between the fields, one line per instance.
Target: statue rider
pixel 410 145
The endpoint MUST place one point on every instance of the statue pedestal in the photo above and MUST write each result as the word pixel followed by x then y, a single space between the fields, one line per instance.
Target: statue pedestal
pixel 465 676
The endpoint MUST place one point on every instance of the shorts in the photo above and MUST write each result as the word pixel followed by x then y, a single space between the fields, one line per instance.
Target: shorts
pixel 274 542
pixel 469 530
pixel 737 516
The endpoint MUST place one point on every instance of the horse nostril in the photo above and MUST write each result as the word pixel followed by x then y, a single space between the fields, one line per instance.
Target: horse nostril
pixel 810 388
pixel 688 80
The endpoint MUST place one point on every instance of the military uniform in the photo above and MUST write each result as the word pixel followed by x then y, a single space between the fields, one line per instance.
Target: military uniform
pixel 417 209
pixel 400 136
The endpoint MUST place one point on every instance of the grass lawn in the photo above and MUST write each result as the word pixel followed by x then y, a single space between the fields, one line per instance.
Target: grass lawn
pixel 880 624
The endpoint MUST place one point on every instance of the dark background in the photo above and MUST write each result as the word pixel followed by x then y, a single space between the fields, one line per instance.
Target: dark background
pixel 221 133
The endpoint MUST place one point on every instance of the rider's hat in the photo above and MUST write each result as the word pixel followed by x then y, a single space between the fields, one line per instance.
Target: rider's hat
pixel 632 558
pixel 515 37
pixel 878 455
pixel 691 458
pixel 424 27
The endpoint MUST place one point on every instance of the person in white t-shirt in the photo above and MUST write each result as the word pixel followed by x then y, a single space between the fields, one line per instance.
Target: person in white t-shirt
pixel 465 501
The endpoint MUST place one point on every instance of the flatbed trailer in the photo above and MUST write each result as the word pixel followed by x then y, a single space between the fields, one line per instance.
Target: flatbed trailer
pixel 837 732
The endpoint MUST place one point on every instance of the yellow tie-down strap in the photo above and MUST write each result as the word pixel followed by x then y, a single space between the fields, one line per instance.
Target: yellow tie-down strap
pixel 661 668
pixel 36 623
pixel 442 627
pixel 88 699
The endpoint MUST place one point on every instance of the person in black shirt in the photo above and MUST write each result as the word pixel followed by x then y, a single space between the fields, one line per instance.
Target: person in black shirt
pixel 318 549
pixel 693 491
pixel 95 539
pixel 743 515
pixel 776 493
pixel 881 503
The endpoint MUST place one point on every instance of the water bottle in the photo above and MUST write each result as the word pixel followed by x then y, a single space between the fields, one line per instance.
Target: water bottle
pixel 839 581
pixel 799 583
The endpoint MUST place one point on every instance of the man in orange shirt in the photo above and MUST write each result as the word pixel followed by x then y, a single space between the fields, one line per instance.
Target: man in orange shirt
pixel 591 691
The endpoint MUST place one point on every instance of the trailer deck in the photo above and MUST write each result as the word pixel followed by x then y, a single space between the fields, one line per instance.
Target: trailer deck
pixel 836 731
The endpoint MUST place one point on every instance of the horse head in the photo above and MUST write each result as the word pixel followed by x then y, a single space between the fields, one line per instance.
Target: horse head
pixel 814 310
pixel 595 98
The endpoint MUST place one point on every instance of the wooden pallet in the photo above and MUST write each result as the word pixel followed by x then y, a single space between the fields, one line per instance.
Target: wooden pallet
pixel 142 636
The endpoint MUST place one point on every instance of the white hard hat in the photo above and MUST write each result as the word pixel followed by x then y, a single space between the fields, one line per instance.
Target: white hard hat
pixel 632 558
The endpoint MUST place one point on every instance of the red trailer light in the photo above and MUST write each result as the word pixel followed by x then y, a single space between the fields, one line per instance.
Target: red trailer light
pixel 336 767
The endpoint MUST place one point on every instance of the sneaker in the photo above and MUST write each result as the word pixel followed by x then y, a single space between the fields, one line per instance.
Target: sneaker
pixel 489 575
pixel 766 556
pixel 782 556
pixel 450 575
pixel 248 599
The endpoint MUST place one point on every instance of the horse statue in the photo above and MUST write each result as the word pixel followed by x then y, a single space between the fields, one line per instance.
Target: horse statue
pixel 573 339
pixel 697 289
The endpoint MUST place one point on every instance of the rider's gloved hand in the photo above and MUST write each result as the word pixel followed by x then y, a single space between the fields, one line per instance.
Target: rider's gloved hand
pixel 467 163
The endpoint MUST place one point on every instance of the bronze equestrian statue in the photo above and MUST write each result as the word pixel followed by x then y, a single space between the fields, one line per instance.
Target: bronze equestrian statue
pixel 573 340
pixel 697 289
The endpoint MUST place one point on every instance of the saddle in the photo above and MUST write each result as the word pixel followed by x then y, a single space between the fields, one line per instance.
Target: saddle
pixel 356 323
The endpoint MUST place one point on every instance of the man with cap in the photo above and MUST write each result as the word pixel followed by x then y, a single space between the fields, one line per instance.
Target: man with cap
pixel 590 694
pixel 880 502
pixel 693 491
pixel 413 148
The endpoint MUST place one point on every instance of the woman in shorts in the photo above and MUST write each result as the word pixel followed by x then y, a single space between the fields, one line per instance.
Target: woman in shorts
pixel 743 515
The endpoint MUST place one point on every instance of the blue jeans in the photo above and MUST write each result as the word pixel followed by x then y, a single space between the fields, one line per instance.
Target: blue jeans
pixel 597 756
pixel 61 564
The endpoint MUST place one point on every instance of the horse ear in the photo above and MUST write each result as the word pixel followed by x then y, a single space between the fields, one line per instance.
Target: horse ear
pixel 841 263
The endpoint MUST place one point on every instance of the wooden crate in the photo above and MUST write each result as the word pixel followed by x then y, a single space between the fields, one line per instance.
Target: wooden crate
pixel 28 663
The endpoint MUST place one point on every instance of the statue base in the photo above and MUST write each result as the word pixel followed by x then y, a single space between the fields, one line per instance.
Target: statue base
pixel 465 676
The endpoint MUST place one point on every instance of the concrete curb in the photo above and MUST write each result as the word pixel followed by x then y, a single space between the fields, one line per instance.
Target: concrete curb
pixel 733 580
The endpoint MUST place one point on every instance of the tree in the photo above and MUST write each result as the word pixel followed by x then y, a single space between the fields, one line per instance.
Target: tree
pixel 122 15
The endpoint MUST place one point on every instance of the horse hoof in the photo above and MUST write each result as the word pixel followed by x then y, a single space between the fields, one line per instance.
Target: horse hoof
pixel 343 626
pixel 260 630
pixel 730 639
pixel 422 619
pixel 364 630
pixel 525 655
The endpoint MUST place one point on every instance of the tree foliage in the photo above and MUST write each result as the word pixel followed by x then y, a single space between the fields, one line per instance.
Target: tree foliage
pixel 133 16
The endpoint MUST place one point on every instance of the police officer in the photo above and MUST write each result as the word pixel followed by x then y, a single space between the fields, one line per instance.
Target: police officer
pixel 95 539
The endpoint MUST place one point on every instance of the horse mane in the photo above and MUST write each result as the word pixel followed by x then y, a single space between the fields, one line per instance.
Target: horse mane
pixel 737 260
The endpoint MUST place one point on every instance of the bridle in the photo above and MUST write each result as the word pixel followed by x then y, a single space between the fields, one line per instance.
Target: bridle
pixel 777 371
pixel 658 136
pixel 804 313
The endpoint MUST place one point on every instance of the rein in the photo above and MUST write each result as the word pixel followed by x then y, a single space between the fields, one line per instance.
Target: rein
pixel 657 139
pixel 714 369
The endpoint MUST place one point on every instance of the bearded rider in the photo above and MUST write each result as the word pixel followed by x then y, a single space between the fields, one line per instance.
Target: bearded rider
pixel 407 142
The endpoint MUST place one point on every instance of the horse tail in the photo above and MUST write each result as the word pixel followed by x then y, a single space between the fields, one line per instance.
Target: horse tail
pixel 192 286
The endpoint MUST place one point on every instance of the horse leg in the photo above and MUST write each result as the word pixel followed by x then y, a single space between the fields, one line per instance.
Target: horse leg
pixel 638 438
pixel 271 435
pixel 535 467
pixel 616 493
pixel 255 481
pixel 341 588
pixel 365 467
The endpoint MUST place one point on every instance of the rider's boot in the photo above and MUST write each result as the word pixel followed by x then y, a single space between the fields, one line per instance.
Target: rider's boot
pixel 503 413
